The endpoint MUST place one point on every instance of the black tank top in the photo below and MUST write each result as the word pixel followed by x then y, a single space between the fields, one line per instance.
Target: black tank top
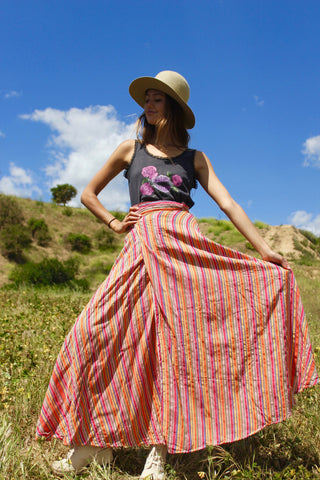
pixel 153 178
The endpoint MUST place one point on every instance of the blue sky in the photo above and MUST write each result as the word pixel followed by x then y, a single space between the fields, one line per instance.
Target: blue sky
pixel 253 68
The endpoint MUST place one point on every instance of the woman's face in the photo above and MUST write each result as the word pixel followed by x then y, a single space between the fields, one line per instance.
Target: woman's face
pixel 154 106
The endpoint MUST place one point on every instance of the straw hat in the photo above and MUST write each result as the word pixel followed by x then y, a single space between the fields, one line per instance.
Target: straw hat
pixel 169 82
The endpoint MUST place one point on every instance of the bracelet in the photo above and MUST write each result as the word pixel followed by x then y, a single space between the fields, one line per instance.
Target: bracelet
pixel 109 223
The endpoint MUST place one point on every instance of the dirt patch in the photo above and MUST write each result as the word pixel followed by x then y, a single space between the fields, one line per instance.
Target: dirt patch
pixel 285 238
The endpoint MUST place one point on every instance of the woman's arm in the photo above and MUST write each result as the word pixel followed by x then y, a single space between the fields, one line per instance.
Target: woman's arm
pixel 210 182
pixel 118 161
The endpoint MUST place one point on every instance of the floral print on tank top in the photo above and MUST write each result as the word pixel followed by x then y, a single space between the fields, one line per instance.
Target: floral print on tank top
pixel 153 181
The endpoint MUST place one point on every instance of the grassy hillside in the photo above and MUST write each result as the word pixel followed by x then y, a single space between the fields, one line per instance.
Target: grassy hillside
pixel 33 325
pixel 63 221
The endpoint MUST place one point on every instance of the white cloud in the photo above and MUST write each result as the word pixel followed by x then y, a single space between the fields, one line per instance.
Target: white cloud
pixel 12 93
pixel 311 150
pixel 80 144
pixel 19 183
pixel 259 101
pixel 306 221
pixel 2 134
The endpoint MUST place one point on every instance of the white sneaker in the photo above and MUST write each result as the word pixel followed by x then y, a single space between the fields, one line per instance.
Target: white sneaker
pixel 154 466
pixel 80 457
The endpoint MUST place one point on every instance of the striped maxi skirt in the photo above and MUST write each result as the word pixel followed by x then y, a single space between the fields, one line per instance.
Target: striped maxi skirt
pixel 186 343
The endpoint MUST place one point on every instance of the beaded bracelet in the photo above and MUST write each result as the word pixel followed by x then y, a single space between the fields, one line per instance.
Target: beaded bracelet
pixel 109 223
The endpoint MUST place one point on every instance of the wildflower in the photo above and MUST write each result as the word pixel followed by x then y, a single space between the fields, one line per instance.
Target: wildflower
pixel 201 474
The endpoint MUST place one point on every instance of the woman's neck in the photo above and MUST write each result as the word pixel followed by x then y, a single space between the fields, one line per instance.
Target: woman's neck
pixel 165 150
pixel 166 143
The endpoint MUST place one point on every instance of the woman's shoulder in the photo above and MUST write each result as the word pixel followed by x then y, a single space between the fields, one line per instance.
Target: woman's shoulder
pixel 200 156
pixel 199 153
pixel 127 146
pixel 125 150
pixel 200 160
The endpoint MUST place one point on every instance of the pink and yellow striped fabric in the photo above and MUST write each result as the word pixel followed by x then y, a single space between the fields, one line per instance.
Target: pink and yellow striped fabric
pixel 186 343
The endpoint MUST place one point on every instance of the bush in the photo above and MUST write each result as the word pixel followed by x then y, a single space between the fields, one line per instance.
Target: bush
pixel 10 212
pixel 13 239
pixel 79 242
pixel 67 211
pixel 40 232
pixel 105 239
pixel 48 272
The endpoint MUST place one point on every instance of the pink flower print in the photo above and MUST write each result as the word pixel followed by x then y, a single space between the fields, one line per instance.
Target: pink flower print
pixel 162 183
pixel 149 172
pixel 146 189
pixel 176 180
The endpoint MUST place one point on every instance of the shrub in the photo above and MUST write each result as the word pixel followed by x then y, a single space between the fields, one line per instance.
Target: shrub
pixel 39 230
pixel 105 239
pixel 14 238
pixel 79 242
pixel 10 212
pixel 48 272
pixel 67 211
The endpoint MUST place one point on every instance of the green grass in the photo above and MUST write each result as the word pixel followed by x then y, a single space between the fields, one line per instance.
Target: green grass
pixel 33 325
pixel 221 231
pixel 261 225
pixel 79 222
pixel 63 221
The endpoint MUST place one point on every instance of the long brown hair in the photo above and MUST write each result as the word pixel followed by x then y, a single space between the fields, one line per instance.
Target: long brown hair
pixel 169 129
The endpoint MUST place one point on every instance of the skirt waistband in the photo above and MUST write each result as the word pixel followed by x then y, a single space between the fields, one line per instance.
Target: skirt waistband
pixel 147 207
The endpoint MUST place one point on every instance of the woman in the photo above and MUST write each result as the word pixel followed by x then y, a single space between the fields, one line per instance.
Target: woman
pixel 186 343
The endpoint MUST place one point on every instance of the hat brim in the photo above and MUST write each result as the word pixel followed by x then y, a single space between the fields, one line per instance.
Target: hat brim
pixel 139 86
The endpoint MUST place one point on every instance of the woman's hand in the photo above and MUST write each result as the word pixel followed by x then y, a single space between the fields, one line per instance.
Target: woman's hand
pixel 274 257
pixel 128 222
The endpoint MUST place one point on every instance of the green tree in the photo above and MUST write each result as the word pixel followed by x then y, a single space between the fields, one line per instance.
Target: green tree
pixel 62 194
